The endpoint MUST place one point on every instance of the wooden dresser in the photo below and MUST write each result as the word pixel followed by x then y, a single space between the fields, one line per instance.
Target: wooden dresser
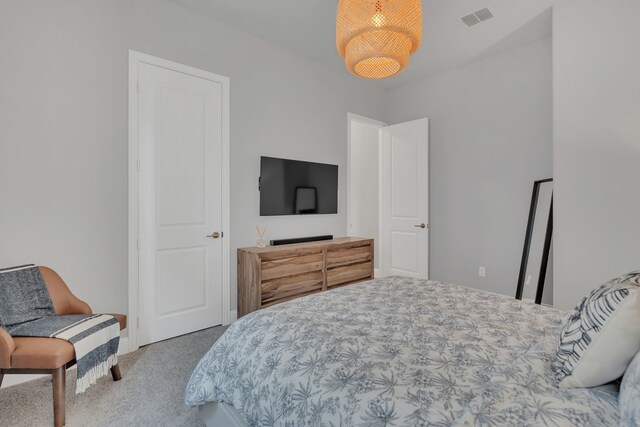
pixel 275 274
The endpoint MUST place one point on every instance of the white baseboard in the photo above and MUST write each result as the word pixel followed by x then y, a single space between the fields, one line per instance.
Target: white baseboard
pixel 11 380
pixel 124 346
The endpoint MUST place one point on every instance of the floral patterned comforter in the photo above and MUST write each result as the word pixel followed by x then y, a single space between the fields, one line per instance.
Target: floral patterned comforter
pixel 397 352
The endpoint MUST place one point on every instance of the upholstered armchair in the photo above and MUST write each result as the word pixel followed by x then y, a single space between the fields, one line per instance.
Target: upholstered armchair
pixel 49 355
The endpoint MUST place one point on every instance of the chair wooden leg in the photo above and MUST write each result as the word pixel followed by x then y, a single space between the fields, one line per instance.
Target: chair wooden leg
pixel 1 376
pixel 115 373
pixel 59 395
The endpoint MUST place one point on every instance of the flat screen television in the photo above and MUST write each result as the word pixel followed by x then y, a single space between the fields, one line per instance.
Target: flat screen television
pixel 292 187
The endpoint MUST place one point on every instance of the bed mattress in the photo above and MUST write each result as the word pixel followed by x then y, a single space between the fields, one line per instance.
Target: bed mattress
pixel 397 351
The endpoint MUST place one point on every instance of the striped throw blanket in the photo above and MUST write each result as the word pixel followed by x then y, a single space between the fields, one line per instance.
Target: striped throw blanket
pixel 95 337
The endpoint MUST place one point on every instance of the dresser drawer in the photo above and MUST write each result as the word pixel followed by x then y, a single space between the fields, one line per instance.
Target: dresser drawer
pixel 284 288
pixel 355 255
pixel 349 274
pixel 292 266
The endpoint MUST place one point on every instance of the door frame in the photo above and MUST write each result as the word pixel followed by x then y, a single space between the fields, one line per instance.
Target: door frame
pixel 135 58
pixel 351 117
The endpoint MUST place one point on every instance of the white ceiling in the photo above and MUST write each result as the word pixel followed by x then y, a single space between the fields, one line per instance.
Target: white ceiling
pixel 307 27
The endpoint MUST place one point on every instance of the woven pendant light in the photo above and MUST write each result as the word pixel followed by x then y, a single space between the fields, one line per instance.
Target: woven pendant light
pixel 376 37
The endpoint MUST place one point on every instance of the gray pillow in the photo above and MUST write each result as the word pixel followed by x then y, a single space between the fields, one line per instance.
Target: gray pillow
pixel 23 296
pixel 629 400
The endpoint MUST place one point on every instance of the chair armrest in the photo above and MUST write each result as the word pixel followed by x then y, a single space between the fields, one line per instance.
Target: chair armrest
pixel 121 318
pixel 7 347
pixel 76 306
pixel 64 302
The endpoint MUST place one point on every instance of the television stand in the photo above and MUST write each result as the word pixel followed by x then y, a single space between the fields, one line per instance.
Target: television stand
pixel 271 275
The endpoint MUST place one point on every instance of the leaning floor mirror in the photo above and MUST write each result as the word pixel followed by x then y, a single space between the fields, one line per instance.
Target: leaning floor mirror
pixel 535 281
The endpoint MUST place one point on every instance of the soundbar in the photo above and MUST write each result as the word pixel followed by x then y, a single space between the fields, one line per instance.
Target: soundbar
pixel 299 240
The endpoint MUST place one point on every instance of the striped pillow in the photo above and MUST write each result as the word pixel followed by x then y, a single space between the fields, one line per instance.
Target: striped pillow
pixel 601 336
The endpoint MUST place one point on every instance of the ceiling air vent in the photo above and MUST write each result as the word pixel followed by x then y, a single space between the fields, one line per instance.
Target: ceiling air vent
pixel 470 20
pixel 484 14
pixel 477 17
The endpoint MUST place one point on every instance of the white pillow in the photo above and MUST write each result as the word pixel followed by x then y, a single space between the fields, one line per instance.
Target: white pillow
pixel 601 336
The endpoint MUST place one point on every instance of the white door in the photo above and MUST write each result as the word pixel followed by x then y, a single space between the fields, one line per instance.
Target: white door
pixel 180 151
pixel 404 227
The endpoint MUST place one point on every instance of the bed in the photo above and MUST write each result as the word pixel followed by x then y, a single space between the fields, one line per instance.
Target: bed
pixel 394 351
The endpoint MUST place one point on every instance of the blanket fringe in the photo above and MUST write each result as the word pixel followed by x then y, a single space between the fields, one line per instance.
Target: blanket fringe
pixel 95 373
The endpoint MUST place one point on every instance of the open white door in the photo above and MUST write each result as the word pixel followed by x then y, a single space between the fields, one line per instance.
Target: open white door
pixel 404 182
pixel 180 128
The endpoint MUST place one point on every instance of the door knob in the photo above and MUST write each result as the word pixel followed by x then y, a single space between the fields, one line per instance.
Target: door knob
pixel 423 225
pixel 215 235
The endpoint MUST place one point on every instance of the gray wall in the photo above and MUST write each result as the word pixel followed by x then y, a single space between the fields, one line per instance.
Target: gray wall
pixel 63 129
pixel 63 139
pixel 491 137
pixel 596 144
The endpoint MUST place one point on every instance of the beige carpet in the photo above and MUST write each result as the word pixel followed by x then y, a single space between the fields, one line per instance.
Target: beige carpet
pixel 150 393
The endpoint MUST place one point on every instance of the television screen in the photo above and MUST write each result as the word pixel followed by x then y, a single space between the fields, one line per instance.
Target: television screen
pixel 292 187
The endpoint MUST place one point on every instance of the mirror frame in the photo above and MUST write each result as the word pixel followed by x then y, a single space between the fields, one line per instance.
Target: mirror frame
pixel 527 244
